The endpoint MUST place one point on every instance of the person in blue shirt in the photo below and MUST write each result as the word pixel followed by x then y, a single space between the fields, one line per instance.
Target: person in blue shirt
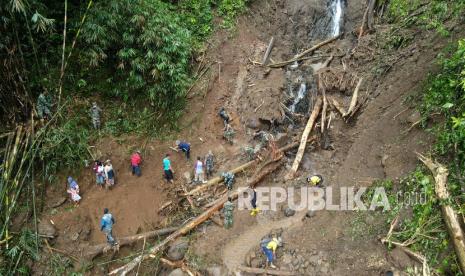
pixel 185 147
pixel 106 225
pixel 167 169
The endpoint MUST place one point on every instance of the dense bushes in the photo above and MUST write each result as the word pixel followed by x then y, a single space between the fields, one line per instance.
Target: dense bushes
pixel 145 50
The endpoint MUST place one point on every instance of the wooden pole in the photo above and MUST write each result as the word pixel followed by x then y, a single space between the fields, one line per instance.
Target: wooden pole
pixel 303 141
pixel 312 49
pixel 268 51
pixel 93 251
pixel 456 234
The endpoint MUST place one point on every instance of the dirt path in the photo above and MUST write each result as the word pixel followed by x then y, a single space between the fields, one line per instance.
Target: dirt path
pixel 236 250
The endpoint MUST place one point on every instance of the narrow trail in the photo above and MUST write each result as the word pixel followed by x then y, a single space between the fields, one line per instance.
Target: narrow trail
pixel 235 251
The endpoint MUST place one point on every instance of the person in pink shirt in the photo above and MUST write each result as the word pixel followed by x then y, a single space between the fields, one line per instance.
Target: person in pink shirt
pixel 136 160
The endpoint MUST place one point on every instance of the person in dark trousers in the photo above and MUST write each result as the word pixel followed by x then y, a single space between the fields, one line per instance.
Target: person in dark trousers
pixel 224 115
pixel 167 169
pixel 136 160
pixel 185 147
pixel 106 225
pixel 253 202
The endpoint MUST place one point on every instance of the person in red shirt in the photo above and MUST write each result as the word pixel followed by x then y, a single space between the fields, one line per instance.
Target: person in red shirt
pixel 136 160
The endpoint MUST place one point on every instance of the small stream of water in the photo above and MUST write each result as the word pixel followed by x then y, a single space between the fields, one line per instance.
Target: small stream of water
pixel 299 89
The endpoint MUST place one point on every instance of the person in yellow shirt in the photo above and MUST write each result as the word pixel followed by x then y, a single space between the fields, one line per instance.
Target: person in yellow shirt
pixel 315 180
pixel 269 247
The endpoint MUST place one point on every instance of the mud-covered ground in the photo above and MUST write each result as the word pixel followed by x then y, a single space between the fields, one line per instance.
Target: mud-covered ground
pixel 375 144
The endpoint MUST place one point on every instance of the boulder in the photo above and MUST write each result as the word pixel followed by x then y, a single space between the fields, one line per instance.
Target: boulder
pixel 217 271
pixel 414 117
pixel 288 212
pixel 310 214
pixel 58 202
pixel 47 229
pixel 178 249
pixel 177 272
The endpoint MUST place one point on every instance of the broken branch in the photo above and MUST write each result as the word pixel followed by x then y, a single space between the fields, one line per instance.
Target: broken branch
pixel 303 141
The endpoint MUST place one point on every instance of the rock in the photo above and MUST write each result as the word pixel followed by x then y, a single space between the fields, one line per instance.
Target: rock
pixel 187 177
pixel 288 212
pixel 177 272
pixel 306 264
pixel 252 123
pixel 255 262
pixel 281 139
pixel 178 249
pixel 414 117
pixel 58 202
pixel 286 259
pixel 302 271
pixel 310 214
pixel 47 229
pixel 74 236
pixel 217 271
pixel 400 259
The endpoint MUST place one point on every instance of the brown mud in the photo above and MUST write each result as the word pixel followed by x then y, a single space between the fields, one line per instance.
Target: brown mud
pixel 374 145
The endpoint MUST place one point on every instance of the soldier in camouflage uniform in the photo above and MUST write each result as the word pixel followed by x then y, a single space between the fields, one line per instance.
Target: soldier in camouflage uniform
pixel 229 133
pixel 228 179
pixel 95 113
pixel 209 159
pixel 228 209
pixel 44 106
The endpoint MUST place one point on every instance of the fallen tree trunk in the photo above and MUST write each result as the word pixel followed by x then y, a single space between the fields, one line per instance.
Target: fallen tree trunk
pixel 303 141
pixel 181 265
pixel 312 49
pixel 456 234
pixel 93 251
pixel 353 102
pixel 219 179
pixel 265 271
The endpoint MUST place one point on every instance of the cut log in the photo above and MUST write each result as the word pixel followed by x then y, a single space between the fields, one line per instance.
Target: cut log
pixel 353 102
pixel 303 140
pixel 260 271
pixel 312 49
pixel 325 103
pixel 268 51
pixel 219 179
pixel 93 251
pixel 364 21
pixel 451 219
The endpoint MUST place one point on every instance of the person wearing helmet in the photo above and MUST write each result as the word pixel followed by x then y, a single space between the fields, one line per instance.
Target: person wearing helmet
pixel 269 247
pixel 315 180
pixel 136 160
pixel 185 147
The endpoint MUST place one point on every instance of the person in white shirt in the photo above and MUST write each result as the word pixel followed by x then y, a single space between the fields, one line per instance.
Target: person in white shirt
pixel 198 171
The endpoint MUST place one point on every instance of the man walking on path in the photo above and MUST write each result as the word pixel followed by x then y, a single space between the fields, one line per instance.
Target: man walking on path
pixel 228 209
pixel 185 147
pixel 109 174
pixel 106 225
pixel 167 169
pixel 209 164
pixel 136 160
pixel 95 113
pixel 198 171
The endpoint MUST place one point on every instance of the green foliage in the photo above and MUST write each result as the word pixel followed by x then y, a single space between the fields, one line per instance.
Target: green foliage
pixel 14 258
pixel 430 14
pixel 230 9
pixel 445 94
pixel 146 49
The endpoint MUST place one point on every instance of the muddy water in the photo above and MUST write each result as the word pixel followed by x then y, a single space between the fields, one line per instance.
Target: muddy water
pixel 301 83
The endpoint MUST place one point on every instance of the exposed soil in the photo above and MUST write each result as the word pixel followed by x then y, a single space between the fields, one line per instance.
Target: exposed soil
pixel 376 144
